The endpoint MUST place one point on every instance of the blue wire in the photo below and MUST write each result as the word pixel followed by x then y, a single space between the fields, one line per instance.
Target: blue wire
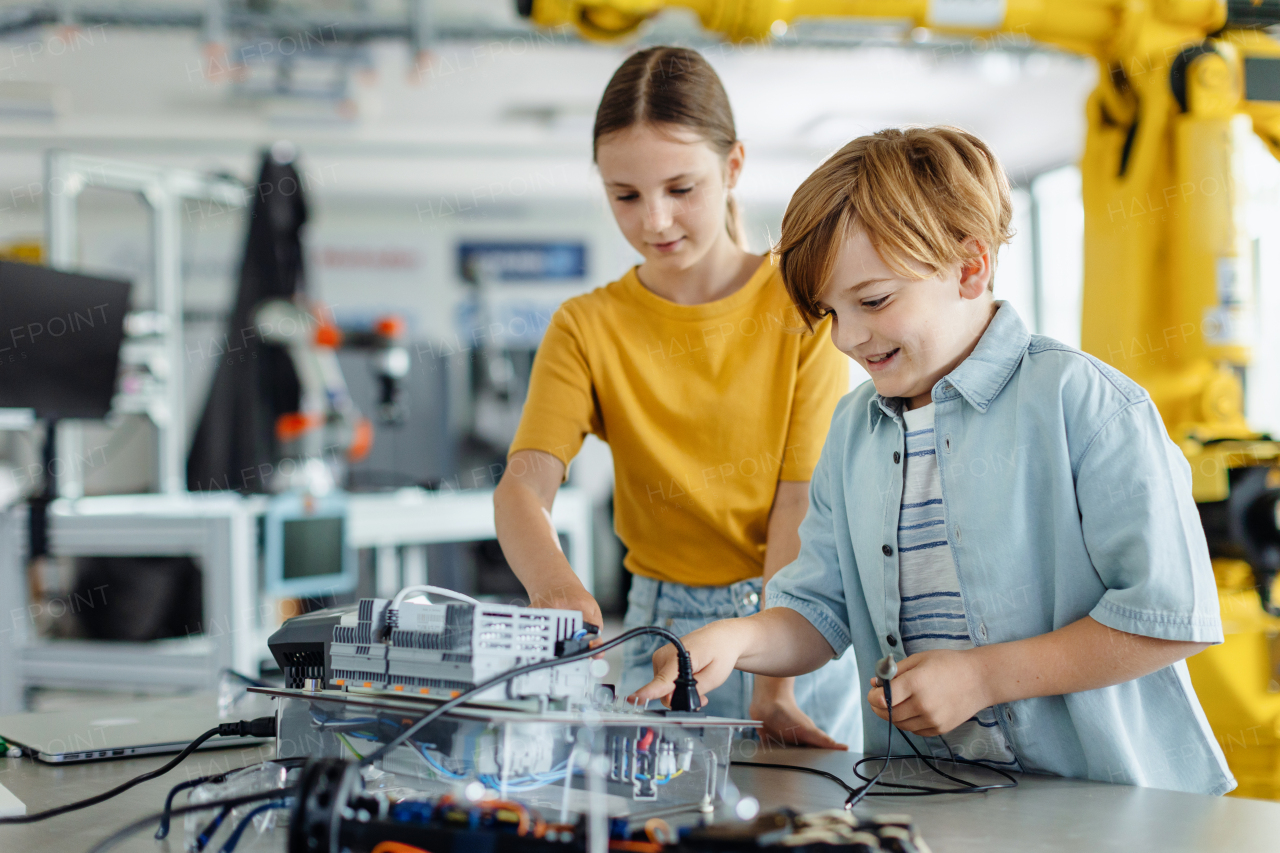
pixel 209 831
pixel 449 774
pixel 520 784
pixel 234 838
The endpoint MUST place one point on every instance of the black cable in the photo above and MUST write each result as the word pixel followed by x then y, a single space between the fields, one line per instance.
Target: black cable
pixel 814 770
pixel 142 823
pixel 684 683
pixel 261 727
pixel 163 831
pixel 857 794
pixel 967 787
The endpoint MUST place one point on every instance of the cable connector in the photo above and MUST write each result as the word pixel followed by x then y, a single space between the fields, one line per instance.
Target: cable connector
pixel 685 696
pixel 261 727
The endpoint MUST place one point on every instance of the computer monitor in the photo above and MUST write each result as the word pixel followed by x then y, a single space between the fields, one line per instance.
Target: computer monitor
pixel 308 551
pixel 60 339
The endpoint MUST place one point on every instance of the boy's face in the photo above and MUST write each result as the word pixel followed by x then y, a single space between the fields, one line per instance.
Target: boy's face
pixel 907 333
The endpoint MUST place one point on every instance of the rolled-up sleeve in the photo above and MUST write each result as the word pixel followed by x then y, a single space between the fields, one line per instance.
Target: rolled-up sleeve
pixel 812 585
pixel 1143 532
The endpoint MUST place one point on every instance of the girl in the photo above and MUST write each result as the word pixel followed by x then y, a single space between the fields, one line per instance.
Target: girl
pixel 691 368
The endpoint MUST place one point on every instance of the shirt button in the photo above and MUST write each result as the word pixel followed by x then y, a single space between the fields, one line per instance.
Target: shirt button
pixel 888 551
pixel 982 630
pixel 891 640
pixel 897 457
pixel 751 599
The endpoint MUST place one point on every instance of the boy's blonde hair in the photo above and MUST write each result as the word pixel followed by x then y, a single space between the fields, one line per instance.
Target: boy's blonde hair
pixel 918 193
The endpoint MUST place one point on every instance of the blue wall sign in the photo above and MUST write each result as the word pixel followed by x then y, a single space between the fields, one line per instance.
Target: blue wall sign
pixel 522 261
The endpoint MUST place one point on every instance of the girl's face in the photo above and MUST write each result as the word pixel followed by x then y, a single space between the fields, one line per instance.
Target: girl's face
pixel 668 190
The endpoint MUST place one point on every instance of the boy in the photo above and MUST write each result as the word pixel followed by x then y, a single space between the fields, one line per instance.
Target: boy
pixel 1003 514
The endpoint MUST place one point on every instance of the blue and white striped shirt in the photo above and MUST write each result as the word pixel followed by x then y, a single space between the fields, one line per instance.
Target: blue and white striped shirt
pixel 932 614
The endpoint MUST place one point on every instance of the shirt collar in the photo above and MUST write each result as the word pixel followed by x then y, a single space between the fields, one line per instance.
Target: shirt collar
pixel 981 376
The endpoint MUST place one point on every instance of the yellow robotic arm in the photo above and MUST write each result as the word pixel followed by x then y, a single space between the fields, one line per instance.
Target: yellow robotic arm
pixel 1076 26
pixel 1168 273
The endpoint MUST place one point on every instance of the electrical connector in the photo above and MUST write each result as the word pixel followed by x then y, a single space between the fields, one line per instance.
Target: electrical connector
pixel 261 727
pixel 685 696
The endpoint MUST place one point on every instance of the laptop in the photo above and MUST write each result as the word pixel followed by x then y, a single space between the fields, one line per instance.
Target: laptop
pixel 119 730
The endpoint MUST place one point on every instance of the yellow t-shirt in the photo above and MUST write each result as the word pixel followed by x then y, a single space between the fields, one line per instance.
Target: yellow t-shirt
pixel 705 408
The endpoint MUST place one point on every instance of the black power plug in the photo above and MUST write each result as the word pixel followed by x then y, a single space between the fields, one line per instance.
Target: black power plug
pixel 685 696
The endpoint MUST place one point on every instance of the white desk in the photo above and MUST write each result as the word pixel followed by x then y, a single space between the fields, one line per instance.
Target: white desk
pixel 219 530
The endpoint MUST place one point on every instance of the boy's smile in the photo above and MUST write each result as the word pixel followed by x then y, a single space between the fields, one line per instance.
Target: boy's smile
pixel 906 330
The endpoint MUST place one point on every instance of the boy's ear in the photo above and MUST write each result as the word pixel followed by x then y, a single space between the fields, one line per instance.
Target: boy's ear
pixel 975 272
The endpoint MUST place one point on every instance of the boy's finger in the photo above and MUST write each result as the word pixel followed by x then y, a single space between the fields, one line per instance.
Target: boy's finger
pixel 912 724
pixel 909 663
pixel 662 685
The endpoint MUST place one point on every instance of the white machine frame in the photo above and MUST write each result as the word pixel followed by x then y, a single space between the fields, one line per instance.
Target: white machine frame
pixel 219 530
pixel 163 189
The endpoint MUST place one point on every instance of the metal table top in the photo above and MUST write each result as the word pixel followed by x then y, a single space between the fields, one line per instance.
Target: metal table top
pixel 1042 814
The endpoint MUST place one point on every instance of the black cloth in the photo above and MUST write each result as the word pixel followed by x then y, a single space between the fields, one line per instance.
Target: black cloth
pixel 234 446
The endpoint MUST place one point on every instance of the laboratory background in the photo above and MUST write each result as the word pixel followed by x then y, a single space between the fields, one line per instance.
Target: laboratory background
pixel 273 277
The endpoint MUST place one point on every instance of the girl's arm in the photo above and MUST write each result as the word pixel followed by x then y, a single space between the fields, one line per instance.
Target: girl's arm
pixel 938 690
pixel 773 700
pixel 522 513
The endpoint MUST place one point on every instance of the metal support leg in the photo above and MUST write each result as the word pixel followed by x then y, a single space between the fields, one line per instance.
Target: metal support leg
pixel 15 619
pixel 415 564
pixel 386 571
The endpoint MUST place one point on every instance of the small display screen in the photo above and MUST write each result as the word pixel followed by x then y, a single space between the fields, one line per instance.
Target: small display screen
pixel 312 547
pixel 1261 78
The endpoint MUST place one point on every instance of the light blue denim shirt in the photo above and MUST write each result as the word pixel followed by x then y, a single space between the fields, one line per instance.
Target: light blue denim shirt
pixel 1064 498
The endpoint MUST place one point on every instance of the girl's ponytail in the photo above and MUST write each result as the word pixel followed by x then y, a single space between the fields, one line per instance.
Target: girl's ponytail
pixel 733 222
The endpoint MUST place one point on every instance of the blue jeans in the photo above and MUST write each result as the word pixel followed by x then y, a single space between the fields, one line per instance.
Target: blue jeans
pixel 831 696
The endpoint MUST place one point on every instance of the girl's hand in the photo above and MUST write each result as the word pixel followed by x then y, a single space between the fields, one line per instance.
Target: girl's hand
pixel 773 703
pixel 714 650
pixel 570 598
pixel 934 692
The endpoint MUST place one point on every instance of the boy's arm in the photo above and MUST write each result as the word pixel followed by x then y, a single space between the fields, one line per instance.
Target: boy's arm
pixel 936 691
pixel 773 700
pixel 783 641
pixel 778 642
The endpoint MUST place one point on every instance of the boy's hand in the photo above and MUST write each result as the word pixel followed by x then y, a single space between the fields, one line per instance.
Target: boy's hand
pixel 934 692
pixel 714 650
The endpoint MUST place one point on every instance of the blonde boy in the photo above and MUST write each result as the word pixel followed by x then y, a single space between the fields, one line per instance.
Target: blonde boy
pixel 1002 513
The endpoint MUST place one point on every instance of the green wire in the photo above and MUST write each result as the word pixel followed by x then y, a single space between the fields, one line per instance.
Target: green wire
pixel 343 738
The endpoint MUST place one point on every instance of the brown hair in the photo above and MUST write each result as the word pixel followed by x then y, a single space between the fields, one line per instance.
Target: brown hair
pixel 671 86
pixel 918 193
